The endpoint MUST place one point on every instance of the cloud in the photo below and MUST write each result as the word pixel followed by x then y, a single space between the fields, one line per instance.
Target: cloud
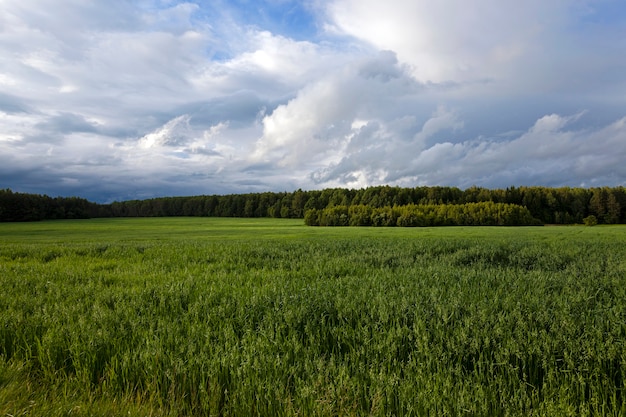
pixel 321 116
pixel 119 99
pixel 447 40
pixel 518 46
pixel 546 154
pixel 12 104
pixel 139 96
pixel 68 123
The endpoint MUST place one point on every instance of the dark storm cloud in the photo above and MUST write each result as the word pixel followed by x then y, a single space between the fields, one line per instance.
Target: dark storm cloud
pixel 12 104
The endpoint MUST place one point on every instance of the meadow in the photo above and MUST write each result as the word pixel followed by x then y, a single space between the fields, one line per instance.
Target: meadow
pixel 269 317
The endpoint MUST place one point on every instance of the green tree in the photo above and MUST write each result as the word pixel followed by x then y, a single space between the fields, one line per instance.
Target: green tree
pixel 590 220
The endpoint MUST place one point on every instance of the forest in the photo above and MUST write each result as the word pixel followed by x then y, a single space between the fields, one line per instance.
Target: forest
pixel 564 205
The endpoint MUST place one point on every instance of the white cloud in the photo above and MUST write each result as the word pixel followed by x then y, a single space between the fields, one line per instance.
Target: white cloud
pixel 517 46
pixel 324 114
pixel 173 132
pixel 271 65
pixel 450 39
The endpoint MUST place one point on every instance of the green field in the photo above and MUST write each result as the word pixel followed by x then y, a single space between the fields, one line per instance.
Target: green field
pixel 242 317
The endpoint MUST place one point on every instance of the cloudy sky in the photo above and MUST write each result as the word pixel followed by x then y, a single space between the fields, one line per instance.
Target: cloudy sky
pixel 126 99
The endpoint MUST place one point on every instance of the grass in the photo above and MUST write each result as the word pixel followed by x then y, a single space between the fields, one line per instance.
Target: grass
pixel 209 316
pixel 218 228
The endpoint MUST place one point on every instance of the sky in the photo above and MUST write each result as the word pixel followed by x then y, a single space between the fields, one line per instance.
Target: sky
pixel 134 99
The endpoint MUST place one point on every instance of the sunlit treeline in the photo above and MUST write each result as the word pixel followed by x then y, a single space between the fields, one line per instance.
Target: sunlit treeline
pixel 486 213
pixel 563 205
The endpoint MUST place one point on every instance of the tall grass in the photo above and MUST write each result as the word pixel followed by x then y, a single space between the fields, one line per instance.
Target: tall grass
pixel 457 322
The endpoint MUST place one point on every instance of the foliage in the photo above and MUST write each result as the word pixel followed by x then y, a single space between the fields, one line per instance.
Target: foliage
pixel 412 215
pixel 19 207
pixel 549 205
pixel 266 317
pixel 590 220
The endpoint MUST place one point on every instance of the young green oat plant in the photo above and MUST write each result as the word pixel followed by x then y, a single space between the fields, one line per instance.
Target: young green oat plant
pixel 234 317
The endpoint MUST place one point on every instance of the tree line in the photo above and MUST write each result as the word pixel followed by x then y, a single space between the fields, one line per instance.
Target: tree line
pixel 486 213
pixel 563 205
pixel 22 207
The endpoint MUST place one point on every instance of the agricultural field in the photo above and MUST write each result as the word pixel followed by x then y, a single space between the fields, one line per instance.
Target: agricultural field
pixel 269 317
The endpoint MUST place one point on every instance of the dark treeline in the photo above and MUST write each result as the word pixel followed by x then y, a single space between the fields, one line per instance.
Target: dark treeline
pixel 549 205
pixel 21 207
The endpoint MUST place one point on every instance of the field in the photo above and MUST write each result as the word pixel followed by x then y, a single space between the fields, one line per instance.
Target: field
pixel 243 317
